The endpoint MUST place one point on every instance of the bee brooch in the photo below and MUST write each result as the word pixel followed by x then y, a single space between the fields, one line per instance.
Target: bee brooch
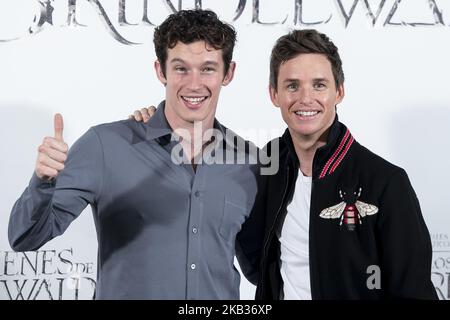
pixel 350 211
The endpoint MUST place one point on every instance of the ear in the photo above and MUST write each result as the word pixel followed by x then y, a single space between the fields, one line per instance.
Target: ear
pixel 340 93
pixel 230 74
pixel 160 73
pixel 274 96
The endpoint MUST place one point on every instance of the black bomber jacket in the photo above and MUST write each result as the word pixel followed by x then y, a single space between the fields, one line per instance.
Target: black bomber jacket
pixel 367 236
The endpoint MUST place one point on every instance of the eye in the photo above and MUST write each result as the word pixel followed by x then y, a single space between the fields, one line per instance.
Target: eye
pixel 292 86
pixel 319 85
pixel 208 70
pixel 180 69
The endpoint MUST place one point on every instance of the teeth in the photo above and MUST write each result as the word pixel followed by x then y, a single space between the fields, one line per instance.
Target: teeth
pixel 194 100
pixel 306 113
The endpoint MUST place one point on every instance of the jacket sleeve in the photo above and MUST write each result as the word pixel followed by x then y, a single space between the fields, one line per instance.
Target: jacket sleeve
pixel 45 209
pixel 249 241
pixel 405 249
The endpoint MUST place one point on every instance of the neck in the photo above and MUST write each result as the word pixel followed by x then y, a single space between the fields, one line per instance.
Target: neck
pixel 306 147
pixel 193 134
pixel 195 138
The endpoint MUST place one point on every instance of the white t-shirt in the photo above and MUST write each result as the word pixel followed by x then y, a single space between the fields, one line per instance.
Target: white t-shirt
pixel 294 241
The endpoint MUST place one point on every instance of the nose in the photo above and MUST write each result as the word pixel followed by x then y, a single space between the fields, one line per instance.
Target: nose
pixel 194 81
pixel 305 95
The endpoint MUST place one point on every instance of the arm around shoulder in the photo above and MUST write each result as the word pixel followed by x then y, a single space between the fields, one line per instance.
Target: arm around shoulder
pixel 249 241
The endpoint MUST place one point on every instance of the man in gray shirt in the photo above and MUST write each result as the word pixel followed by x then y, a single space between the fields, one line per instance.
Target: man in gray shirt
pixel 166 207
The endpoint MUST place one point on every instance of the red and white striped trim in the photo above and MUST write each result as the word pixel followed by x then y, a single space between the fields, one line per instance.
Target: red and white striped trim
pixel 338 155
pixel 336 164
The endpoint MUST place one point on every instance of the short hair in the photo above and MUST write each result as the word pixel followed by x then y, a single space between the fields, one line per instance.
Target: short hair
pixel 304 41
pixel 188 26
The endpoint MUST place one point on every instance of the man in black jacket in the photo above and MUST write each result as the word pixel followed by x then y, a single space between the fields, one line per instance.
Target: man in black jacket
pixel 340 221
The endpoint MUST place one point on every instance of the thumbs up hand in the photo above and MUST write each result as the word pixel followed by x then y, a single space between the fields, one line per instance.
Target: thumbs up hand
pixel 52 153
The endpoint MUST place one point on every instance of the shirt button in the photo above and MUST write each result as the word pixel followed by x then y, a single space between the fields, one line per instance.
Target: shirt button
pixel 197 194
pixel 193 266
pixel 194 230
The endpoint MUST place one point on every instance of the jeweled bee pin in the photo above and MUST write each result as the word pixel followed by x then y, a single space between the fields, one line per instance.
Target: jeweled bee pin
pixel 350 211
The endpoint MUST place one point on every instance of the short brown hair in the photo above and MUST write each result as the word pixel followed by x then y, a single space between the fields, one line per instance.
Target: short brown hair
pixel 304 41
pixel 189 26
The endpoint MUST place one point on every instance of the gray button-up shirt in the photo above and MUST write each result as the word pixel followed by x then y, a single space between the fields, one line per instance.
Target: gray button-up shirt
pixel 164 230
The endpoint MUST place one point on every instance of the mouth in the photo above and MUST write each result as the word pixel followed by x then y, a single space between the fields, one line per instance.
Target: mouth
pixel 306 114
pixel 193 102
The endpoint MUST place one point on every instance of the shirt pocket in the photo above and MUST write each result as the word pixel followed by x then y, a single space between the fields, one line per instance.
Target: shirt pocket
pixel 233 217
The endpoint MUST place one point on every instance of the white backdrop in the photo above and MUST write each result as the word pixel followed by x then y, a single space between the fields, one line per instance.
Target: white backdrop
pixel 396 62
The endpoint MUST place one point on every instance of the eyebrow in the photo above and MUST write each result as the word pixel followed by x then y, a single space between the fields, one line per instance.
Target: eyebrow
pixel 208 62
pixel 290 80
pixel 177 60
pixel 314 80
pixel 321 80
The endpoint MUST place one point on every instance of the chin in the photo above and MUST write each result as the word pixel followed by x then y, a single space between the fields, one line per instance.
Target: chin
pixel 194 118
pixel 305 132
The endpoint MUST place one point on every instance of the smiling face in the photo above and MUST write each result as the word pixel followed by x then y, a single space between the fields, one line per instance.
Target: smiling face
pixel 307 95
pixel 193 78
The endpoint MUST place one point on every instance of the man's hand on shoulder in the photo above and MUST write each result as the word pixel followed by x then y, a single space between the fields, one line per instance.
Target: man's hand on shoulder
pixel 143 114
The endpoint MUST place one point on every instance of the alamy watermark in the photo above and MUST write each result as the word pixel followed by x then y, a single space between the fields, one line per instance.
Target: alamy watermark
pixel 374 279
pixel 224 147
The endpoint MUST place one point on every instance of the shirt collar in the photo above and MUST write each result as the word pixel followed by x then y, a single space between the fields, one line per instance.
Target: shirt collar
pixel 158 126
